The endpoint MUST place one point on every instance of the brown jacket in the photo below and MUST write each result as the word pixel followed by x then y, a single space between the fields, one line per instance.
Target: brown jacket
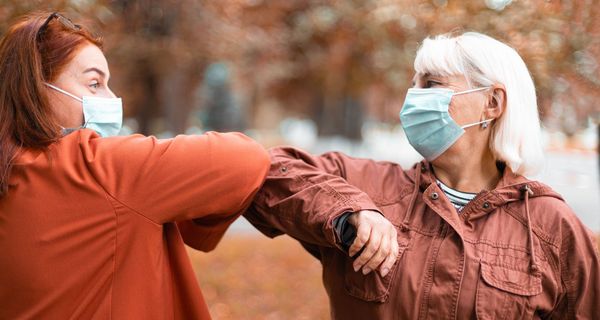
pixel 88 230
pixel 516 252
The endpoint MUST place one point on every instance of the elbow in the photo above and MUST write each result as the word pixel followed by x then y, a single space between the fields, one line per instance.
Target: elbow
pixel 261 162
pixel 247 157
pixel 248 175
pixel 256 172
pixel 257 164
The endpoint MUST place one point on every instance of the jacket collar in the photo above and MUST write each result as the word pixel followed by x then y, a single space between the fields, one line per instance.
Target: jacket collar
pixel 509 188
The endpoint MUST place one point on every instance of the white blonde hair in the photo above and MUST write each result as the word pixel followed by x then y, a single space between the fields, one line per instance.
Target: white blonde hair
pixel 484 61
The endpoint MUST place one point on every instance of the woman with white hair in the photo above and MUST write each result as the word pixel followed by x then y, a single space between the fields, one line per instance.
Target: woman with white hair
pixel 462 234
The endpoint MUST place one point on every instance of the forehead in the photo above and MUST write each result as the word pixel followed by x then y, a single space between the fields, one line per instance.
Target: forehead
pixel 89 56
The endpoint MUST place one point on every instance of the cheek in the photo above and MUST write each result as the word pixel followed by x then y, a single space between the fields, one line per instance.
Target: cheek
pixel 76 110
pixel 457 111
pixel 72 106
pixel 69 112
pixel 464 109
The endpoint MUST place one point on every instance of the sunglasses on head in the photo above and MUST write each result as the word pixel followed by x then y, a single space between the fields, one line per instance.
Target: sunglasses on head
pixel 66 22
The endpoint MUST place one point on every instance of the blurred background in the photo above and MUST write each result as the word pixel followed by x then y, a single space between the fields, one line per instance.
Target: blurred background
pixel 327 75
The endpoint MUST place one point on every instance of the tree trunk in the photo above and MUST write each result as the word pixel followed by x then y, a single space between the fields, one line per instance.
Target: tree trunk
pixel 340 117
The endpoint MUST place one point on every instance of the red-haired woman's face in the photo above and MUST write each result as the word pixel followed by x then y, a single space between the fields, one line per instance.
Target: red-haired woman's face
pixel 86 75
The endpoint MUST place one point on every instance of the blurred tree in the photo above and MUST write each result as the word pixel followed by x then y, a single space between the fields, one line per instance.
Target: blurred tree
pixel 338 62
pixel 159 57
pixel 315 56
pixel 222 110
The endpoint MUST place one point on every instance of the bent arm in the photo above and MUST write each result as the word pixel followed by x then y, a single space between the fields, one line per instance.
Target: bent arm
pixel 303 195
pixel 206 179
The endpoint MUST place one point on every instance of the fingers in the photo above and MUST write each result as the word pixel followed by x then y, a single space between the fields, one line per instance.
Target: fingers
pixel 379 256
pixel 376 242
pixel 363 232
pixel 371 248
pixel 387 265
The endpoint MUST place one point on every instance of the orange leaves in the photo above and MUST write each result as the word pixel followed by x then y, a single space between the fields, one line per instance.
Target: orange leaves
pixel 253 277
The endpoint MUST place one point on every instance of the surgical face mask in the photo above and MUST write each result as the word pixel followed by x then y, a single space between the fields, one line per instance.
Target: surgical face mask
pixel 427 123
pixel 103 115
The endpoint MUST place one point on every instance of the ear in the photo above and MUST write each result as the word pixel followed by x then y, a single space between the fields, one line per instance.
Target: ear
pixel 496 102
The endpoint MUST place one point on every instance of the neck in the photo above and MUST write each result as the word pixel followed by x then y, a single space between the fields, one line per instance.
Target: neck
pixel 467 171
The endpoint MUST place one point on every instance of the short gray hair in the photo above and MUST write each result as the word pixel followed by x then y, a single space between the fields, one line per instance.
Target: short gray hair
pixel 516 137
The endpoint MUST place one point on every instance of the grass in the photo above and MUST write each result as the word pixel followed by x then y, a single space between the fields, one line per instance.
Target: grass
pixel 254 277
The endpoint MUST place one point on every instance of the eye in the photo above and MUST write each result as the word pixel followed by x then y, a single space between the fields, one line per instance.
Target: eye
pixel 95 85
pixel 432 83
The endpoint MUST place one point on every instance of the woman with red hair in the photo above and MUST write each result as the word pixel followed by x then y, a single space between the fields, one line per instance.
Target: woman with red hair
pixel 92 225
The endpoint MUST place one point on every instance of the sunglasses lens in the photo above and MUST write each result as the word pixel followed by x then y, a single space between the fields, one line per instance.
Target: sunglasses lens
pixel 66 22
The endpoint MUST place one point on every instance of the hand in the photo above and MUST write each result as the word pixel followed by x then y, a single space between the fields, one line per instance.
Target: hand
pixel 377 238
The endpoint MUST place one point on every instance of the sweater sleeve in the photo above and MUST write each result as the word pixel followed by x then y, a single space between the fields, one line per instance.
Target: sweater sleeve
pixel 304 194
pixel 203 182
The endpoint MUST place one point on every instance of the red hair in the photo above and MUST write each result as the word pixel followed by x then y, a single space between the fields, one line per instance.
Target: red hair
pixel 27 119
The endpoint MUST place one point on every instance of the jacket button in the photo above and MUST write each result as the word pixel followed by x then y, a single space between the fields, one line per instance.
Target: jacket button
pixel 486 205
pixel 435 196
pixel 283 169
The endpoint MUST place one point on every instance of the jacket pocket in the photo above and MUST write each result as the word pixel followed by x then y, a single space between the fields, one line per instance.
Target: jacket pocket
pixel 505 292
pixel 373 287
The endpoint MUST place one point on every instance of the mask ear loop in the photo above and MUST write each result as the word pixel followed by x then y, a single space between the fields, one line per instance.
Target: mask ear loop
pixel 64 92
pixel 484 124
pixel 470 90
pixel 72 96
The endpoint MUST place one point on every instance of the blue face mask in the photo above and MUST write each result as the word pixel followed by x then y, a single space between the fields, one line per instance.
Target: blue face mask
pixel 103 115
pixel 427 123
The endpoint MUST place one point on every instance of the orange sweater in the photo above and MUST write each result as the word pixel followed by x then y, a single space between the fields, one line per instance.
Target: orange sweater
pixel 94 228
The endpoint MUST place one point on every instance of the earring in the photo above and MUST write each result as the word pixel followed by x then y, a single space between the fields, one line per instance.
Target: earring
pixel 485 124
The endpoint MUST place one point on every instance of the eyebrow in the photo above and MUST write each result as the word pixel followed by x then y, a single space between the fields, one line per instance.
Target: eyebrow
pixel 100 72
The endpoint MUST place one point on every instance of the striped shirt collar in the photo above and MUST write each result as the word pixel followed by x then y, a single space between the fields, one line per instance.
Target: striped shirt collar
pixel 458 198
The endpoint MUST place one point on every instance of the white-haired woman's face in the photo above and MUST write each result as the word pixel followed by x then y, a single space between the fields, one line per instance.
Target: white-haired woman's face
pixel 465 108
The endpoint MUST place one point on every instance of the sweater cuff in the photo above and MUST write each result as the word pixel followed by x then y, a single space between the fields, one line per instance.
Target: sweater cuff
pixel 338 230
pixel 344 231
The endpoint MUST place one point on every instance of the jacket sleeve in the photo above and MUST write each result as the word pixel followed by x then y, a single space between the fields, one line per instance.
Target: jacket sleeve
pixel 203 182
pixel 303 194
pixel 580 271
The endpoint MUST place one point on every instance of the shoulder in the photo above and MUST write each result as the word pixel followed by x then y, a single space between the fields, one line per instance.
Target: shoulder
pixel 88 137
pixel 550 212
pixel 91 145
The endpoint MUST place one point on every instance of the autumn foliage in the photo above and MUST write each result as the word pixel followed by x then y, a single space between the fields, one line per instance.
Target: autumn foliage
pixel 254 277
pixel 336 62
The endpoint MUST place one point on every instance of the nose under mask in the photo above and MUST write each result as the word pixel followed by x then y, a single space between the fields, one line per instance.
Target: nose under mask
pixel 427 123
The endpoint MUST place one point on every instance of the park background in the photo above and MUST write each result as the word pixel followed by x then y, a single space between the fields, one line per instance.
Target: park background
pixel 327 75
